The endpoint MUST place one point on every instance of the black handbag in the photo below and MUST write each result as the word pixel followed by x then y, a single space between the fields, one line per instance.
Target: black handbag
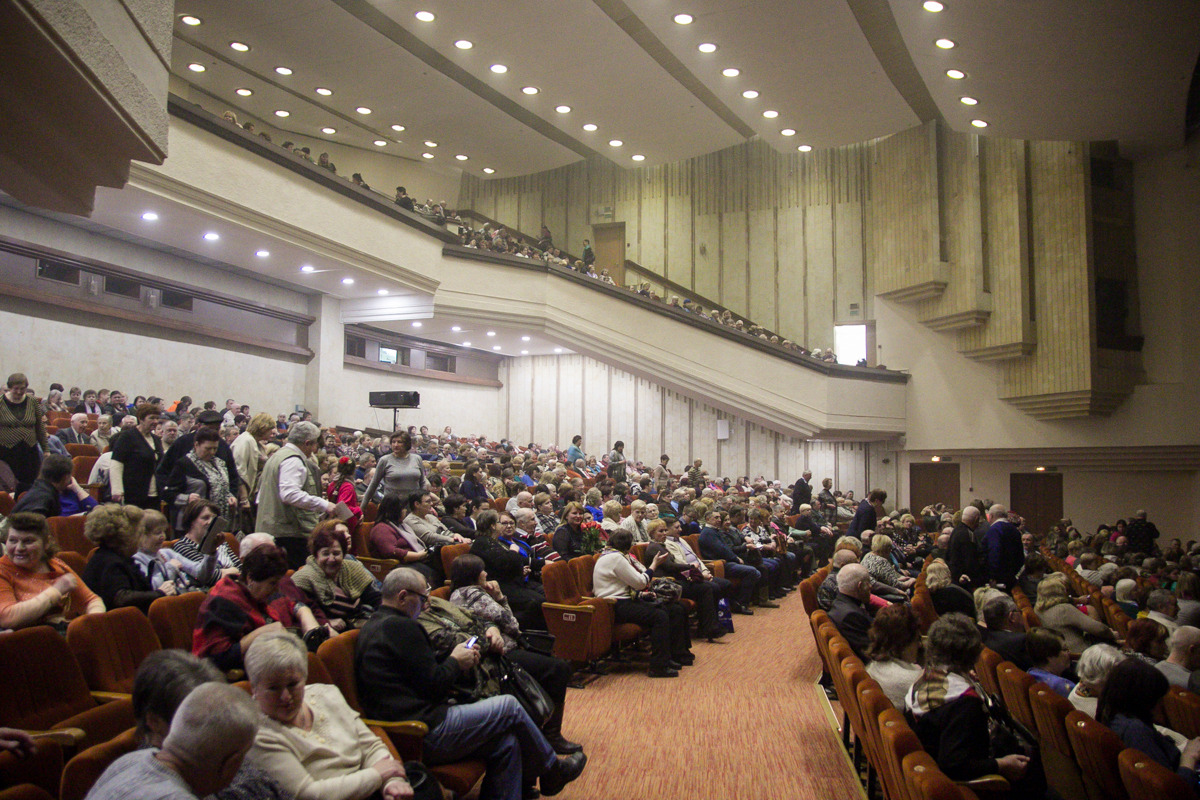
pixel 537 642
pixel 520 684
pixel 424 785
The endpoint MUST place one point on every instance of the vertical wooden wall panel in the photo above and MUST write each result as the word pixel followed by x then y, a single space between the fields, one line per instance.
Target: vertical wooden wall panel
pixel 760 446
pixel 793 249
pixel 595 385
pixel 734 267
pixel 554 212
pixel 652 221
pixel 530 211
pixel 544 403
pixel 707 255
pixel 677 428
pixel 704 435
pixel 623 414
pixel 579 225
pixel 520 374
pixel 903 212
pixel 852 468
pixel 848 246
pixel 823 463
pixel 506 210
pixel 570 400
pixel 649 422
pixel 763 303
pixel 679 239
pixel 818 240
pixel 791 455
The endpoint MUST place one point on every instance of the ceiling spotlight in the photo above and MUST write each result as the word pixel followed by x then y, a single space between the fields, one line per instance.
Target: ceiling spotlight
pixel 491 333
pixel 283 70
pixel 683 19
pixel 956 74
pixel 558 349
pixel 770 114
pixel 431 144
pixel 425 16
pixel 150 216
pixel 282 113
pixel 212 237
pixel 329 131
pixel 321 90
pixel 263 253
pixel 426 155
pixel 749 94
pixel 524 338
pixel 466 344
pixel 530 90
pixel 381 292
pixel 968 101
pixel 933 6
pixel 488 170
pixel 347 281
pixel 456 328
pixel 196 67
pixel 463 44
pixel 563 109
pixel 615 143
pixel 804 148
pixel 363 110
pixel 188 19
pixel 707 47
pixel 788 132
pixel 495 347
pixel 415 324
pixel 591 126
pixel 241 48
pixel 731 72
pixel 380 143
pixel 308 268
pixel 524 352
pixel 499 69
pixel 639 157
pixel 397 128
pixel 461 157
pixel 945 44
pixel 244 92
pixel 978 123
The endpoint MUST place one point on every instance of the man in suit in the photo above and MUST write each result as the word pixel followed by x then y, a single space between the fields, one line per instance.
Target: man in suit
pixel 714 546
pixel 1002 548
pixel 849 612
pixel 962 556
pixel 1005 631
pixel 75 434
pixel 866 516
pixel 802 492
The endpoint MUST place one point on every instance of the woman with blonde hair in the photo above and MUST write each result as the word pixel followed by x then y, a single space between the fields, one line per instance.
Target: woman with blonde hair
pixel 111 571
pixel 947 596
pixel 1055 610
pixel 249 450
pixel 879 563
pixel 612 518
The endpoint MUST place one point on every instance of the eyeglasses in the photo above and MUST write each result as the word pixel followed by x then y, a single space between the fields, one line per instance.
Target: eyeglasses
pixel 507 524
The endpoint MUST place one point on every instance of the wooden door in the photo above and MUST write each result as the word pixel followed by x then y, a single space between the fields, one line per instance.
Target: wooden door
pixel 609 245
pixel 930 483
pixel 1038 497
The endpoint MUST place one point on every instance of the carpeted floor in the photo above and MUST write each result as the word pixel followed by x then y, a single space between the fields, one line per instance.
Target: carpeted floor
pixel 747 722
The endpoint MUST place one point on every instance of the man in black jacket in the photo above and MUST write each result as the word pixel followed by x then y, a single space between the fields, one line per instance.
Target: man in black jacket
pixel 400 677
pixel 962 556
pixel 42 495
pixel 802 492
pixel 849 612
pixel 866 516
pixel 715 546
pixel 1006 630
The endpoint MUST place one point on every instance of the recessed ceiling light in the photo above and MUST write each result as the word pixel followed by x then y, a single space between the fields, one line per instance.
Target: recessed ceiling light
pixel 150 216
pixel 380 143
pixel 804 148
pixel 956 74
pixel 282 113
pixel 211 236
pixel 945 44
pixel 933 6
pixel 639 157
pixel 461 157
pixel 241 48
pixel 683 19
pixel 382 292
pixel 415 324
pixel 188 19
pixel 488 170
pixel 524 352
pixel 426 155
pixel 463 44
pixel 968 101
pixel 530 90
pixel 524 338
pixel 263 253
pixel 347 281
pixel 558 349
pixel 591 126
pixel 731 72
pixel 456 328
pixel 321 90
pixel 788 132
pixel 495 347
pixel 283 70
pixel 425 16
pixel 245 92
pixel 329 131
pixel 466 344
pixel 770 113
pixel 707 47
pixel 750 94
pixel 431 144
pixel 491 333
pixel 978 123
pixel 397 128
pixel 363 110
pixel 196 67
pixel 563 109
pixel 615 143
pixel 308 268
pixel 499 69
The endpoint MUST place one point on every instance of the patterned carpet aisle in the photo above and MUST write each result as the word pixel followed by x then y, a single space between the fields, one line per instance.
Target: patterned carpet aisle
pixel 747 721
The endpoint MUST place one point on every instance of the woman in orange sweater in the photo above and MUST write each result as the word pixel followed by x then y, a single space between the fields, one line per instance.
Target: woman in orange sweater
pixel 35 587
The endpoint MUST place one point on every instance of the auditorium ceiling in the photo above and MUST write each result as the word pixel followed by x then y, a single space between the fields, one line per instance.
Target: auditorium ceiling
pixel 649 77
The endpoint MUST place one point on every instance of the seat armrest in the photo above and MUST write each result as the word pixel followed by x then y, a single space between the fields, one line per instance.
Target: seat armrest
pixel 66 737
pixel 108 697
pixel 987 784
pixel 405 736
